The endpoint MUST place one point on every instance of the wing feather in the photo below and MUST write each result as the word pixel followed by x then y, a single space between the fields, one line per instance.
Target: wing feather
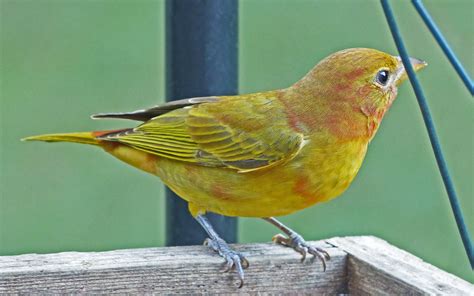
pixel 244 133
pixel 147 114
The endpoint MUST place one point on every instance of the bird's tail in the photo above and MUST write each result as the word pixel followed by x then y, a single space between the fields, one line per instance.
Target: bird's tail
pixel 134 157
pixel 90 138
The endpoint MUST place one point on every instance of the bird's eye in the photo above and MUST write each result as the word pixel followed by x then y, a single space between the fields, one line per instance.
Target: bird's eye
pixel 382 77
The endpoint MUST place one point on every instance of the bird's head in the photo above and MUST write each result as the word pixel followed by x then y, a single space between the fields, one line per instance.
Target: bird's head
pixel 358 81
pixel 362 75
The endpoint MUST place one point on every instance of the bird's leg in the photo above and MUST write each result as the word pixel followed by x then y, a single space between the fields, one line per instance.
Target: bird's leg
pixel 296 241
pixel 233 259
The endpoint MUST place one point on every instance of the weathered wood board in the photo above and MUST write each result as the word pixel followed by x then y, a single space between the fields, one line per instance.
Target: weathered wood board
pixel 358 266
pixel 193 269
pixel 375 267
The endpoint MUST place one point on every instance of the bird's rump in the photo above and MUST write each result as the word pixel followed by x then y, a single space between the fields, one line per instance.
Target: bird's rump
pixel 244 133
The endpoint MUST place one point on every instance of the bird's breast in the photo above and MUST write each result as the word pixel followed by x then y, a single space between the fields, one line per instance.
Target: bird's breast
pixel 323 172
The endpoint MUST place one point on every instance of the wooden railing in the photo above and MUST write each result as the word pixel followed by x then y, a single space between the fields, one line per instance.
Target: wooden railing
pixel 358 265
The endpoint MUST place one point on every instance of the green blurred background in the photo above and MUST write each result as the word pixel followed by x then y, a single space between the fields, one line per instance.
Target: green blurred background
pixel 64 60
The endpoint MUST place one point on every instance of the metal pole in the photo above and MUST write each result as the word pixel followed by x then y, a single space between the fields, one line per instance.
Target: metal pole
pixel 201 57
pixel 430 127
pixel 438 36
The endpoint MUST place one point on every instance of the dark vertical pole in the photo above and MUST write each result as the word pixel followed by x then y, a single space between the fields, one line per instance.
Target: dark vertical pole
pixel 201 56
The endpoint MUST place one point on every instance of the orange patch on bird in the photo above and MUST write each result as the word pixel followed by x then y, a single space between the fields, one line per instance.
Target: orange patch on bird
pixel 333 123
pixel 340 125
pixel 293 119
pixel 220 192
pixel 302 186
pixel 364 90
pixel 151 163
pixel 101 133
pixel 354 74
pixel 342 87
pixel 372 128
pixel 109 146
pixel 373 112
pixel 139 159
pixel 374 117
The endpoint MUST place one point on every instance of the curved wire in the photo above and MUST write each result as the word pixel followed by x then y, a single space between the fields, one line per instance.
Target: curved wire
pixel 425 111
pixel 429 22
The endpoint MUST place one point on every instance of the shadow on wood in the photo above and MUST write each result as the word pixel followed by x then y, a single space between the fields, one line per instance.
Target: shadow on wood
pixel 358 265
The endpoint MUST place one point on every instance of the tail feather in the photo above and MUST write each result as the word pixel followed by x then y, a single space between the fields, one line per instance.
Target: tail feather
pixel 130 155
pixel 90 138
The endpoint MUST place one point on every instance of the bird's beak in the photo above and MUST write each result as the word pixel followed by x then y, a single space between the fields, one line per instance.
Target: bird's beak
pixel 416 64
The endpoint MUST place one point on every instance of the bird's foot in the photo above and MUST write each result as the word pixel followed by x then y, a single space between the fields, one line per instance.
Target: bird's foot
pixel 233 259
pixel 297 242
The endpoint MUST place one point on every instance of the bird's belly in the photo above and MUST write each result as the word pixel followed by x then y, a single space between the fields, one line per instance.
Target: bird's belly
pixel 316 176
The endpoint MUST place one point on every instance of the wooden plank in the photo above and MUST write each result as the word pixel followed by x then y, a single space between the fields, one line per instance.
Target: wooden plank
pixel 378 268
pixel 193 269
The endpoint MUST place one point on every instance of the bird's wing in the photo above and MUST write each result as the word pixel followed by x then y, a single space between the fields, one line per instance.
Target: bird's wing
pixel 244 133
pixel 147 114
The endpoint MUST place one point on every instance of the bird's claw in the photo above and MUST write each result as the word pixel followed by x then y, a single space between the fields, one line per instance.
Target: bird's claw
pixel 233 259
pixel 297 242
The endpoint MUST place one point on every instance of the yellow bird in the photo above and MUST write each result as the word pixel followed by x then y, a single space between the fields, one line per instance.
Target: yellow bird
pixel 264 154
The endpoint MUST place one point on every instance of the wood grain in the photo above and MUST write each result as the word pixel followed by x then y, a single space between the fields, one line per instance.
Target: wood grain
pixel 377 268
pixel 358 266
pixel 184 270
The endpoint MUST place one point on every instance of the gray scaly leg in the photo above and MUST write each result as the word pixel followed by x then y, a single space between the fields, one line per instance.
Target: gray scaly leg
pixel 233 259
pixel 296 241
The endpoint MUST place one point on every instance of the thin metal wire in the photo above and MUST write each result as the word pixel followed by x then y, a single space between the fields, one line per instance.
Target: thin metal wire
pixel 425 111
pixel 430 23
